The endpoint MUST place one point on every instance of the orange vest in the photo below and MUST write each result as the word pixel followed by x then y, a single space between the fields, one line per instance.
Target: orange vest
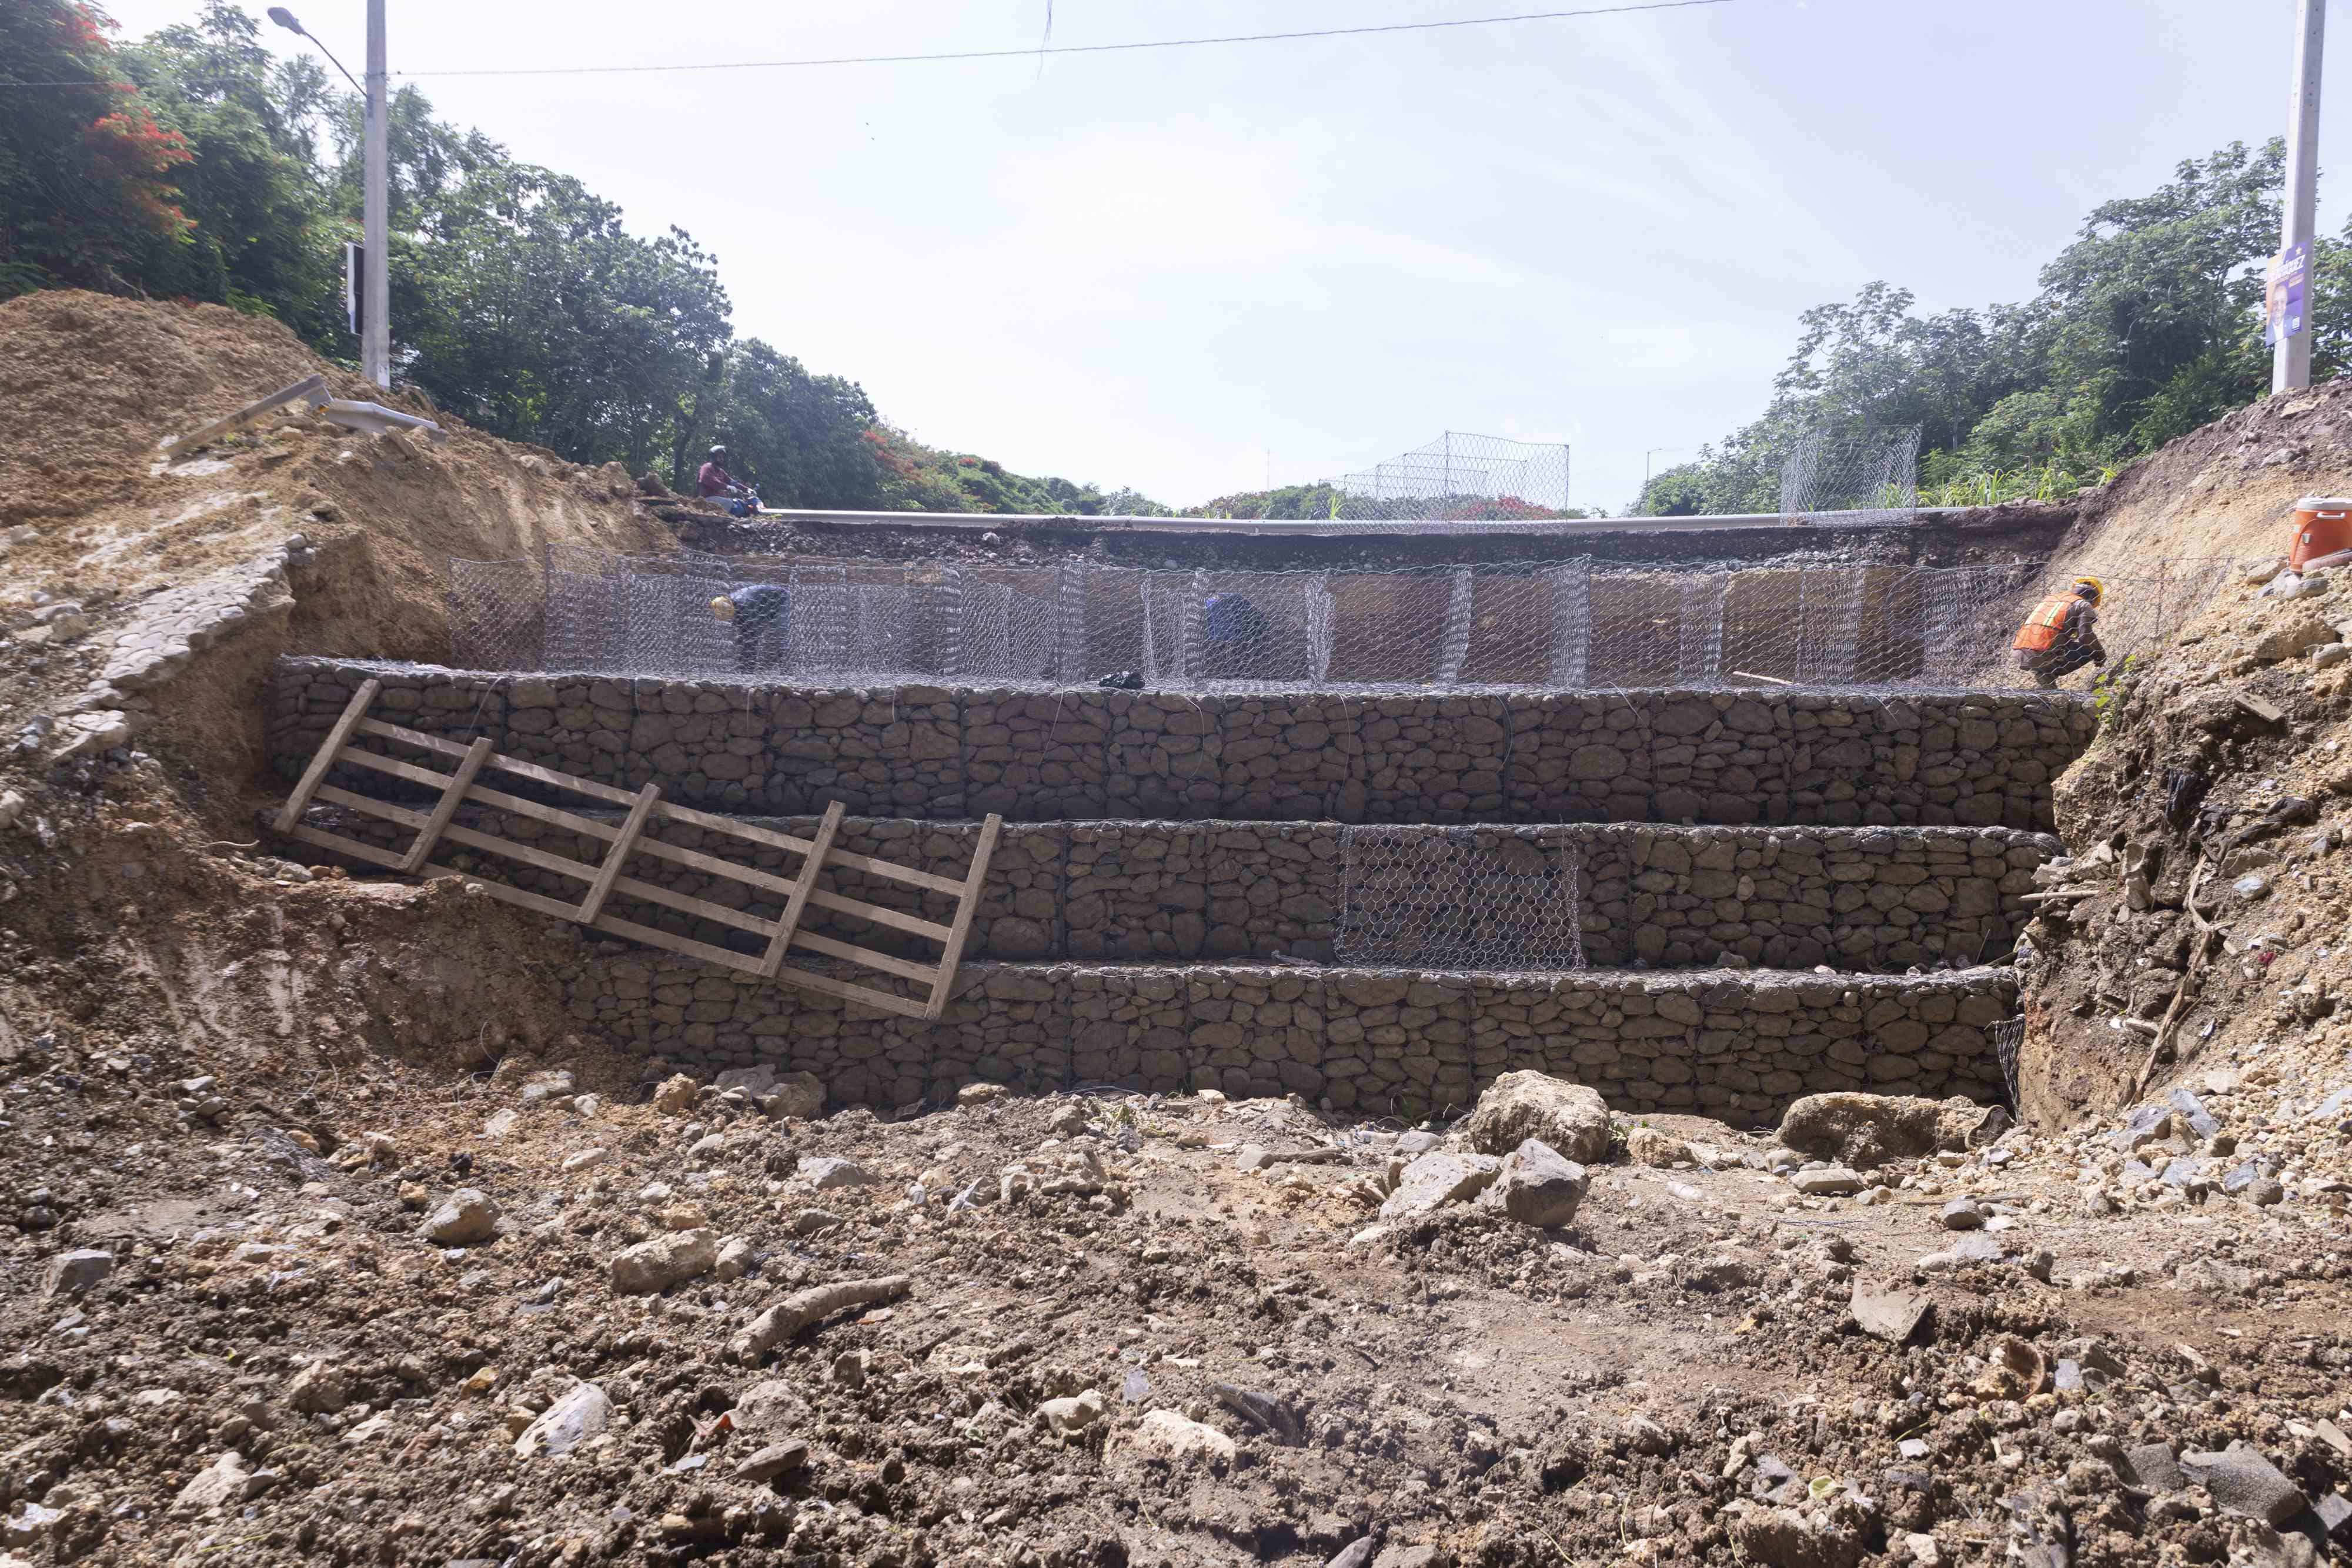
pixel 2042 629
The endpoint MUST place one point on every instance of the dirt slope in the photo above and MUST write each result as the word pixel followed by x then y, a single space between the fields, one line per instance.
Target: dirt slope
pixel 90 385
pixel 2224 490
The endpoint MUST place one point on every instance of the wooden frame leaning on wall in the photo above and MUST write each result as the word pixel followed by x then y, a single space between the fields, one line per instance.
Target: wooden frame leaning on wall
pixel 629 836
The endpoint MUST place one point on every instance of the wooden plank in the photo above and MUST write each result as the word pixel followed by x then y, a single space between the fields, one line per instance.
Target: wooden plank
pixel 972 882
pixel 499 890
pixel 617 856
pixel 804 884
pixel 588 787
pixel 559 864
pixel 373 808
pixel 323 758
pixel 866 955
pixel 391 731
pixel 864 996
pixel 421 850
pixel 302 389
pixel 686 904
pixel 913 925
pixel 783 840
pixel 353 847
pixel 377 760
pixel 653 936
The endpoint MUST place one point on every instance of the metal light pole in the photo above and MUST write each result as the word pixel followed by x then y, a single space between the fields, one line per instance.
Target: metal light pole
pixel 375 201
pixel 1652 452
pixel 376 335
pixel 2291 355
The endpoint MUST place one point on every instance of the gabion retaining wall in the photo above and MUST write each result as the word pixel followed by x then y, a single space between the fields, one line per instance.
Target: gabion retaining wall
pixel 1869 899
pixel 1739 1046
pixel 943 753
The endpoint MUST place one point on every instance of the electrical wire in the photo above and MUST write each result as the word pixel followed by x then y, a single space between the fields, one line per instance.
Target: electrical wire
pixel 1038 52
pixel 1067 48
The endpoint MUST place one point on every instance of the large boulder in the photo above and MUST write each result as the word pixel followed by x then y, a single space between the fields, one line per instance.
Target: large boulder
pixel 581 1414
pixel 1436 1179
pixel 1866 1130
pixel 1538 1188
pixel 1518 1106
pixel 1165 1435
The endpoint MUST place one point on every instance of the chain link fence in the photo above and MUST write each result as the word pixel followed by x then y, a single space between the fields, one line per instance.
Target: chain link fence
pixel 1457 898
pixel 1566 625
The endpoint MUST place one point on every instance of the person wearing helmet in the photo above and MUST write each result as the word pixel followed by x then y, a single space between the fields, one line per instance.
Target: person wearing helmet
pixel 2061 634
pixel 762 615
pixel 714 483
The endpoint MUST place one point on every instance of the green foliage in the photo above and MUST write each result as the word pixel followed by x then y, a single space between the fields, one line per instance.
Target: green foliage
pixel 86 190
pixel 2147 326
pixel 195 167
pixel 1324 502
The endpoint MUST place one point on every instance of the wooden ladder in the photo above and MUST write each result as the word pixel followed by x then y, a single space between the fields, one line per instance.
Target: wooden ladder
pixel 628 838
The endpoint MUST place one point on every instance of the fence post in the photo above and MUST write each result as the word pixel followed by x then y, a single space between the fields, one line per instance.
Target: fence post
pixel 1571 625
pixel 1194 663
pixel 951 621
pixel 1454 651
pixel 1698 661
pixel 1070 618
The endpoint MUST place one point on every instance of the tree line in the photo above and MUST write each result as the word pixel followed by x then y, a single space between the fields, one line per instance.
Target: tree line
pixel 2147 326
pixel 192 165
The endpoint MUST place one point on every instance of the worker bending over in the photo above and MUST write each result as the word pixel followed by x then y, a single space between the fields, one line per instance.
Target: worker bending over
pixel 762 615
pixel 2061 635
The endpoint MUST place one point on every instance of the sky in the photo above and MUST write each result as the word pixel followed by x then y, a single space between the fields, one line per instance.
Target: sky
pixel 1195 271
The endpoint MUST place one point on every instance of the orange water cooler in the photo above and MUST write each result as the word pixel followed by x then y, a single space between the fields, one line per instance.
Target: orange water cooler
pixel 2322 533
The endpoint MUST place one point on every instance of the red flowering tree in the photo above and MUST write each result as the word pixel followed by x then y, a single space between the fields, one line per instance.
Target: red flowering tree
pixel 85 171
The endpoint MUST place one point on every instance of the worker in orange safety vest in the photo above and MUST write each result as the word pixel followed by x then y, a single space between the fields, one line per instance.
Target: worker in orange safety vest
pixel 2061 635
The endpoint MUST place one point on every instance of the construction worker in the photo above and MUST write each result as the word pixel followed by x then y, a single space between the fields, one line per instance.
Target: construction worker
pixel 762 615
pixel 2061 635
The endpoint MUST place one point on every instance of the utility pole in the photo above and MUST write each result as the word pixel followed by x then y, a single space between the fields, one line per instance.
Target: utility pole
pixel 2291 354
pixel 375 286
pixel 375 329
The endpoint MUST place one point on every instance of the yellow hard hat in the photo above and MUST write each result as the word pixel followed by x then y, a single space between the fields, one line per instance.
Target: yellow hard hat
pixel 723 607
pixel 2098 590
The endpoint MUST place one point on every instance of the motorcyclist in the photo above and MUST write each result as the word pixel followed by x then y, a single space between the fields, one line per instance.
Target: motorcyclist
pixel 714 483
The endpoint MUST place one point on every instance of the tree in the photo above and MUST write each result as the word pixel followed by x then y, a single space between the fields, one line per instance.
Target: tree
pixel 86 173
pixel 264 238
pixel 799 438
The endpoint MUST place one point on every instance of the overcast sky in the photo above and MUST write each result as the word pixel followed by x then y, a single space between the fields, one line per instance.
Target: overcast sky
pixel 1182 269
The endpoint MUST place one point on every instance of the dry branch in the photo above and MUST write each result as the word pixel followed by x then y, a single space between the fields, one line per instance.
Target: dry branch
pixel 804 1308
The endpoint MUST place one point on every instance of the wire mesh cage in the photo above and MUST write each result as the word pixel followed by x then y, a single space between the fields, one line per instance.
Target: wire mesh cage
pixel 1458 898
pixel 1459 478
pixel 1563 625
pixel 1867 474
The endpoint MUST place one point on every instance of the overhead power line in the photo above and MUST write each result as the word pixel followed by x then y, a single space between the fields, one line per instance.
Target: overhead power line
pixel 1033 51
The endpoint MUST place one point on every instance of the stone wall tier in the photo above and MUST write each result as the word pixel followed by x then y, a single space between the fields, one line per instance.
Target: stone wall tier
pixel 1731 1044
pixel 1863 899
pixel 1983 759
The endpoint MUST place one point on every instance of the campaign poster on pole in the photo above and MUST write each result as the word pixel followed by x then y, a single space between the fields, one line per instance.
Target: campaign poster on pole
pixel 2283 298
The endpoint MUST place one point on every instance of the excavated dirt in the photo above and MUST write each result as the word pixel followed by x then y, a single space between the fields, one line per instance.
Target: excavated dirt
pixel 235 1095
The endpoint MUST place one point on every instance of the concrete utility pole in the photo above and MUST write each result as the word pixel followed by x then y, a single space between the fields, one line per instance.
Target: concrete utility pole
pixel 375 334
pixel 2291 355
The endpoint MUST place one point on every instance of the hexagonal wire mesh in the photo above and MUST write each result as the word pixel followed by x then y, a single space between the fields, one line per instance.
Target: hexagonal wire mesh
pixel 1458 898
pixel 1563 625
